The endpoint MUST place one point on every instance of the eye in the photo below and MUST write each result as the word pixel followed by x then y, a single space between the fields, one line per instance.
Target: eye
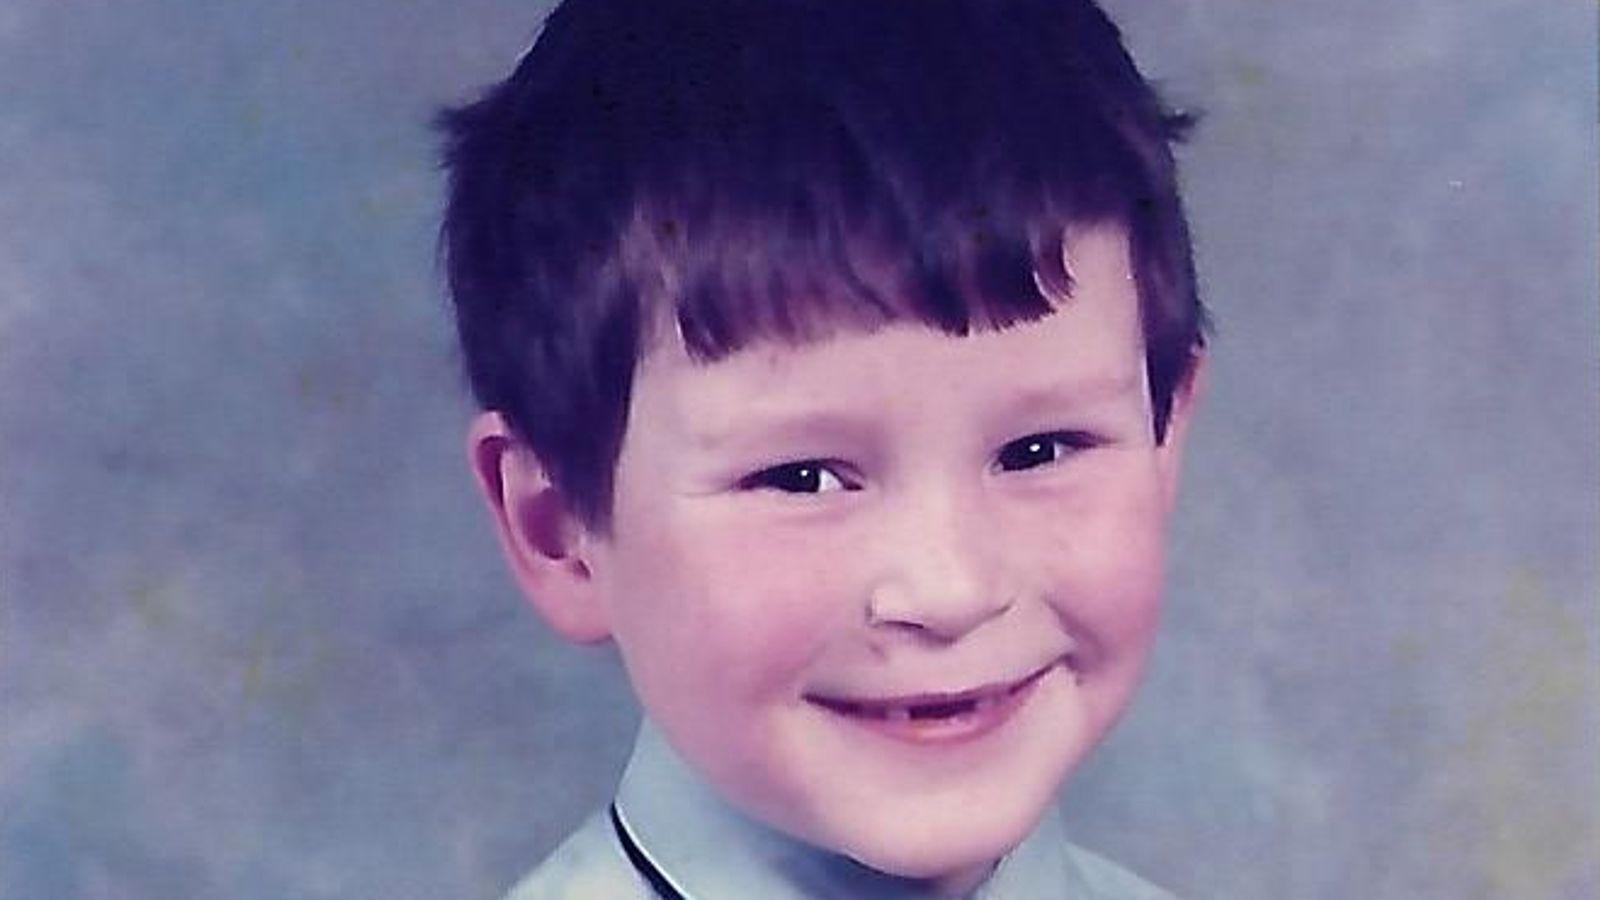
pixel 804 477
pixel 1037 450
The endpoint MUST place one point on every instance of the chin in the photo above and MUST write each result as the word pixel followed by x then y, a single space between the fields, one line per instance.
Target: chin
pixel 952 847
pixel 937 864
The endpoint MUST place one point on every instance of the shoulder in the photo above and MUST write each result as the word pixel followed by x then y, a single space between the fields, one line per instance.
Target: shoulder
pixel 1105 880
pixel 588 865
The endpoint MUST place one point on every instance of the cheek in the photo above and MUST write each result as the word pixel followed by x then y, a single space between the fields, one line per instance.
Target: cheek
pixel 1123 569
pixel 737 610
pixel 1106 562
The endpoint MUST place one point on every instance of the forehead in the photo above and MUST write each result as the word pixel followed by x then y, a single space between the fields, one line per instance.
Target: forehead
pixel 1091 345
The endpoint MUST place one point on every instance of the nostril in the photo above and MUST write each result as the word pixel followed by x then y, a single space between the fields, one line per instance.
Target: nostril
pixel 939 613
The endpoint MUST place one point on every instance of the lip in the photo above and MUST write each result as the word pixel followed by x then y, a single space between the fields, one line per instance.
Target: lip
pixel 936 718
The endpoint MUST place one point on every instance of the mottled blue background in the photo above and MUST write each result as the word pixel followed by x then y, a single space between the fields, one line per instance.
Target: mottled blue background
pixel 256 638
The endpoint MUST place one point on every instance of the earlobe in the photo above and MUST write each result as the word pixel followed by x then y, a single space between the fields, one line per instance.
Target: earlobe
pixel 543 541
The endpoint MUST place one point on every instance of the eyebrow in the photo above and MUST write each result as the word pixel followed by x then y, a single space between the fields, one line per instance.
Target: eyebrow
pixel 1070 395
pixel 795 424
pixel 780 426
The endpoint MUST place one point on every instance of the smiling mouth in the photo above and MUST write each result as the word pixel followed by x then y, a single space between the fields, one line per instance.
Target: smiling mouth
pixel 931 707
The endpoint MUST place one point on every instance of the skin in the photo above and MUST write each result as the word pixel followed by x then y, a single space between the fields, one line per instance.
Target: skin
pixel 870 517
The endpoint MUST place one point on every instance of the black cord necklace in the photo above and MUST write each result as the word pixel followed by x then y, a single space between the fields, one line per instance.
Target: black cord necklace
pixel 642 863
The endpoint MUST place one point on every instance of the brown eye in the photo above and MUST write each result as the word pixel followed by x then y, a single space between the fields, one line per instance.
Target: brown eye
pixel 806 477
pixel 1037 450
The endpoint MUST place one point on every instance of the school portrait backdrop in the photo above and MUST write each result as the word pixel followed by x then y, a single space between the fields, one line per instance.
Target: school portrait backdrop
pixel 256 639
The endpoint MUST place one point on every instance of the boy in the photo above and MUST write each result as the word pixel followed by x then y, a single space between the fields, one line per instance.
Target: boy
pixel 836 357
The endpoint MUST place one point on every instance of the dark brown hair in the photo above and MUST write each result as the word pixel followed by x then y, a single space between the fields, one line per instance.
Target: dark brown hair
pixel 776 169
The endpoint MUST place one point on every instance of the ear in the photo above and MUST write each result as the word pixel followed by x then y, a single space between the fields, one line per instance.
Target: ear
pixel 1185 397
pixel 544 542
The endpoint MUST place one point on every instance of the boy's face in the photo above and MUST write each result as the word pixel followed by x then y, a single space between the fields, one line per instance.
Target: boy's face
pixel 815 548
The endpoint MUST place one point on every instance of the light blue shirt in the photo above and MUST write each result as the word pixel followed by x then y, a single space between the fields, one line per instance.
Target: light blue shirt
pixel 710 851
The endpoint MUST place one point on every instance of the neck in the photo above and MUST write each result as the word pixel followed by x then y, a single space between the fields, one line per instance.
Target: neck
pixel 708 848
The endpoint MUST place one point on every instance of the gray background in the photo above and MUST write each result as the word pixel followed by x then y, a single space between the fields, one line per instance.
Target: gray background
pixel 256 638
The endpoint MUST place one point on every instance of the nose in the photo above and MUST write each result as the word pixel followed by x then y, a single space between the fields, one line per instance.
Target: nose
pixel 942 576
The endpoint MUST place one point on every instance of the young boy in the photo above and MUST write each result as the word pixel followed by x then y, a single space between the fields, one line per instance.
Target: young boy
pixel 837 357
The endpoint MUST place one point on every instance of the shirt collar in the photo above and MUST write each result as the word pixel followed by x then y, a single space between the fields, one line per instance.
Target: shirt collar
pixel 708 849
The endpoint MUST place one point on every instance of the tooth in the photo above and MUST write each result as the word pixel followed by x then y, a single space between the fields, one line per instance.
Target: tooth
pixel 898 714
pixel 984 704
